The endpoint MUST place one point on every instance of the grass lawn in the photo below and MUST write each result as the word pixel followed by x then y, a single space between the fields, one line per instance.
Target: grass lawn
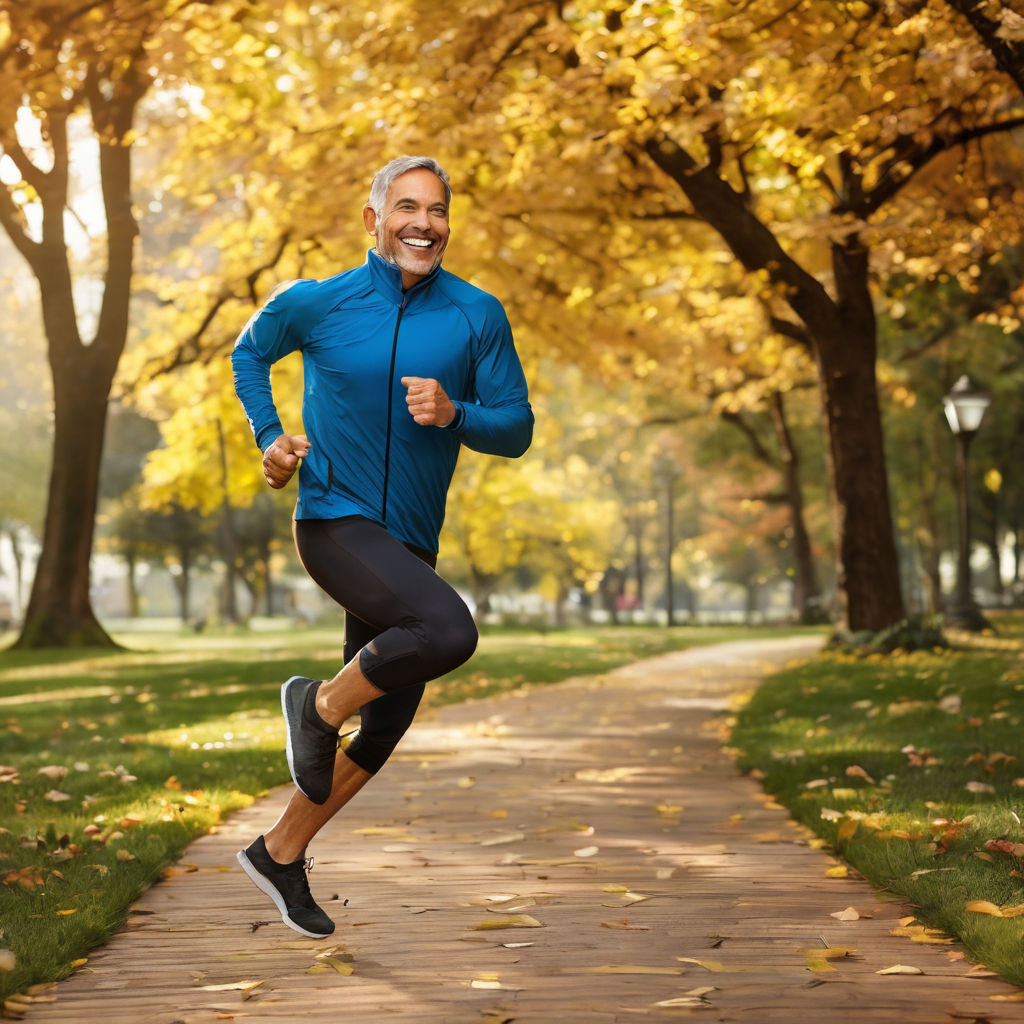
pixel 112 761
pixel 911 766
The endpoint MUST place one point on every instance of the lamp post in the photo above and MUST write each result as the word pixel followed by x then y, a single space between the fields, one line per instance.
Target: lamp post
pixel 965 408
pixel 666 472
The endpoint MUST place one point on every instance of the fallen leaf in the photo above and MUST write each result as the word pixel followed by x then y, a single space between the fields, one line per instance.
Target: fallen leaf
pixel 849 914
pixel 233 986
pixel 1015 997
pixel 625 926
pixel 681 1002
pixel 7 961
pixel 504 837
pixel 828 952
pixel 125 855
pixel 585 851
pixel 900 969
pixel 515 921
pixel 854 771
pixel 56 796
pixel 984 907
pixel 68 912
pixel 54 772
pixel 980 971
pixel 839 871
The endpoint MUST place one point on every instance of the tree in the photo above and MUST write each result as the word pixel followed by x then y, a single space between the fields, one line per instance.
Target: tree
pixel 817 140
pixel 71 78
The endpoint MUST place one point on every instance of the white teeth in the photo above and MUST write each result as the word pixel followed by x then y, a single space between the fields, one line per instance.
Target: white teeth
pixel 421 243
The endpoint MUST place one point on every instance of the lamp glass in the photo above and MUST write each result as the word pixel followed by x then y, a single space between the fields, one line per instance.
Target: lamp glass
pixel 965 411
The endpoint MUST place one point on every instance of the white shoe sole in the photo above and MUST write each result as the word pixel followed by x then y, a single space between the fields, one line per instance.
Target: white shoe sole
pixel 263 883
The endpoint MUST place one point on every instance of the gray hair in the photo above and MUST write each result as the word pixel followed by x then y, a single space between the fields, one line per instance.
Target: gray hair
pixel 384 178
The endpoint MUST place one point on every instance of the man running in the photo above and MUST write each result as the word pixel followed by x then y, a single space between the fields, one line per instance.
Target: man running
pixel 403 363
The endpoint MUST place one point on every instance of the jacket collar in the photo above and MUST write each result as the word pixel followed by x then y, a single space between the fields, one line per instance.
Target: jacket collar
pixel 387 278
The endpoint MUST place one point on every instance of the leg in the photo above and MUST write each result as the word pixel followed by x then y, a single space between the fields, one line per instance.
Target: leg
pixel 425 629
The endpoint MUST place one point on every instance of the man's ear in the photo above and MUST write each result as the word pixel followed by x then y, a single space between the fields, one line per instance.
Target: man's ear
pixel 370 220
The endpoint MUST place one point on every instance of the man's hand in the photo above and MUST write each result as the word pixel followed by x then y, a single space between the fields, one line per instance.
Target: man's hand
pixel 428 404
pixel 281 459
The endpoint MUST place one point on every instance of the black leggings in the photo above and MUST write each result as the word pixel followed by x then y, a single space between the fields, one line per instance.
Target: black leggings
pixel 406 623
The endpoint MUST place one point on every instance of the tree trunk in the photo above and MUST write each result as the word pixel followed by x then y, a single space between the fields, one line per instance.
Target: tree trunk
pixel 806 586
pixel 132 587
pixel 867 571
pixel 60 610
pixel 842 334
pixel 229 539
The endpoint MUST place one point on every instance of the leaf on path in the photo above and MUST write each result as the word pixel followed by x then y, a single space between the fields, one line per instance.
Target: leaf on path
pixel 919 933
pixel 513 906
pixel 232 986
pixel 626 926
pixel 686 1002
pixel 849 914
pixel 980 971
pixel 502 838
pixel 839 871
pixel 332 962
pixel 586 851
pixel 515 921
pixel 1015 997
pixel 828 952
pixel 900 969
pixel 515 945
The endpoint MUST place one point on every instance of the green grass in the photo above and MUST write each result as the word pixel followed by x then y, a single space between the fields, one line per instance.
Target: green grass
pixel 149 747
pixel 908 765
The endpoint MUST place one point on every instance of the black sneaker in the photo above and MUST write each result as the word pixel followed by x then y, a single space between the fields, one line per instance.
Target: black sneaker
pixel 312 743
pixel 288 887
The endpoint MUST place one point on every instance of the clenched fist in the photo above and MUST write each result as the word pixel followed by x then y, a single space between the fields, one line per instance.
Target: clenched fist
pixel 428 404
pixel 281 459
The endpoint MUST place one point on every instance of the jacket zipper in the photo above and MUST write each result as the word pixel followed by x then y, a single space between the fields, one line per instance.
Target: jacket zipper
pixel 391 399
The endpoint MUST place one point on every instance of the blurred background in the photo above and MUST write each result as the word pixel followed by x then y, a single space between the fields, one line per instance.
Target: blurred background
pixel 748 250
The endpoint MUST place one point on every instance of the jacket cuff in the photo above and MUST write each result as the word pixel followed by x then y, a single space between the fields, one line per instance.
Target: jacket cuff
pixel 457 418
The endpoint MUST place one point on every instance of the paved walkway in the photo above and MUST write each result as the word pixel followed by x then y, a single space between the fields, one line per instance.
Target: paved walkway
pixel 579 854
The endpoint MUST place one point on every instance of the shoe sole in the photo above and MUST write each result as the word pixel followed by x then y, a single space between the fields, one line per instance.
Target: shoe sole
pixel 263 883
pixel 288 741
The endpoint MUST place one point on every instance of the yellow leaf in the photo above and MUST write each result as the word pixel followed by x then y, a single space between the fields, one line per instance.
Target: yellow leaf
pixel 900 969
pixel 983 907
pixel 515 921
pixel 829 952
pixel 65 913
pixel 839 871
pixel 847 829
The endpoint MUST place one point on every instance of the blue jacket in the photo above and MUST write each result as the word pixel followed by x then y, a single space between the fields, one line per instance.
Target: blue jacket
pixel 359 334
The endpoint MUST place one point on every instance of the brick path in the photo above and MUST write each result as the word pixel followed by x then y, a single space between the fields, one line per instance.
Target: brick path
pixel 583 852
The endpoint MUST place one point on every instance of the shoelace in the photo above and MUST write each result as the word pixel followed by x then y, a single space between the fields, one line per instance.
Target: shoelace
pixel 307 865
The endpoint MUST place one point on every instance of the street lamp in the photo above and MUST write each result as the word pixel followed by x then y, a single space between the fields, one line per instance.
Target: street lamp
pixel 666 472
pixel 965 408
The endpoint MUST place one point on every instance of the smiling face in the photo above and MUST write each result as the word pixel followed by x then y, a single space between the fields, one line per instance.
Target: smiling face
pixel 412 229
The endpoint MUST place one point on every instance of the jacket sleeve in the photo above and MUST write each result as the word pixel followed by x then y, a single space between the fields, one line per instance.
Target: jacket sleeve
pixel 499 420
pixel 271 333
